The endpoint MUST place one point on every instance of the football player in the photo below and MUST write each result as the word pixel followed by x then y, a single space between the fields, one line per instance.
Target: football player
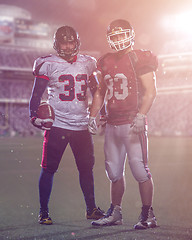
pixel 67 75
pixel 127 80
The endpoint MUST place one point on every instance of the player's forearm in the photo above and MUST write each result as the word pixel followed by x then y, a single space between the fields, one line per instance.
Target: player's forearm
pixel 148 81
pixel 147 101
pixel 37 92
pixel 97 104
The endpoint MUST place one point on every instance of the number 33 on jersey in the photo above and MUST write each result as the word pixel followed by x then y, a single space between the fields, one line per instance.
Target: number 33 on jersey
pixel 67 88
pixel 121 77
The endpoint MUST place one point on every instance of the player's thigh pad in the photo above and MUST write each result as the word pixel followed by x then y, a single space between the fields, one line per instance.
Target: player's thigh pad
pixel 115 153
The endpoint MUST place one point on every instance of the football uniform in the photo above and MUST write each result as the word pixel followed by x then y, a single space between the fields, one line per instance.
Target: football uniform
pixel 67 88
pixel 121 79
pixel 67 85
pixel 67 77
pixel 127 80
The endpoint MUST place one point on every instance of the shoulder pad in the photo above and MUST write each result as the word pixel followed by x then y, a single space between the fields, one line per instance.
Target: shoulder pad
pixel 103 60
pixel 86 58
pixel 39 63
pixel 90 58
pixel 90 62
pixel 144 61
pixel 106 56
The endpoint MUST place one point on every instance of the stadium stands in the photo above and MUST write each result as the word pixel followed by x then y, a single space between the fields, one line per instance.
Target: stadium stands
pixel 169 116
pixel 16 81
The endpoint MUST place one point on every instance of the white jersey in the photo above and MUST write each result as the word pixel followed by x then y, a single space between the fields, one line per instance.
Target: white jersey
pixel 67 88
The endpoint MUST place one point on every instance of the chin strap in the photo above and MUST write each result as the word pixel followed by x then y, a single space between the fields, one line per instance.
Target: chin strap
pixel 69 59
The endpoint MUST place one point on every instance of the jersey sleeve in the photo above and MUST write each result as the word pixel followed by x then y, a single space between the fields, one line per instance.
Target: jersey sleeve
pixel 144 61
pixel 92 65
pixel 41 68
pixel 41 73
pixel 100 64
pixel 103 62
pixel 92 84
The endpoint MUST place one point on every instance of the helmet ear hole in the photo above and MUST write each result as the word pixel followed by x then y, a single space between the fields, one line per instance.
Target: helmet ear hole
pixel 120 35
pixel 66 34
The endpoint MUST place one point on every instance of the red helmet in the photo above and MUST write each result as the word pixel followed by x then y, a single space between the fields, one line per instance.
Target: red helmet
pixel 66 34
pixel 120 34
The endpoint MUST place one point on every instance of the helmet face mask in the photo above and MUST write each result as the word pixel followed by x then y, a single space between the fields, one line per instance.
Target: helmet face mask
pixel 120 35
pixel 66 36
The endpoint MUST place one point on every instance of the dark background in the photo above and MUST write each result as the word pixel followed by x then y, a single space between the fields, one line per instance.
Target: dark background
pixel 91 18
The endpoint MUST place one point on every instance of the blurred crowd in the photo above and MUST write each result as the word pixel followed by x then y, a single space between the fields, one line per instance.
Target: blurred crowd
pixel 169 116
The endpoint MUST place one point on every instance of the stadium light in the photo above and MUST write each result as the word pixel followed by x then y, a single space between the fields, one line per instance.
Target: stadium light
pixel 178 23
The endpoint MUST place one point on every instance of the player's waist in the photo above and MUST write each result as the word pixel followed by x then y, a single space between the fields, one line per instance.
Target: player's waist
pixel 119 118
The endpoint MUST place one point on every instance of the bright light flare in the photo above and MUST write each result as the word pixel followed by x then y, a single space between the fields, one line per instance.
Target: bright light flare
pixel 179 23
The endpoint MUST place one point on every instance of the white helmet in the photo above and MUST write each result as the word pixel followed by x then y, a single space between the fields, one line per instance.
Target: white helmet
pixel 123 29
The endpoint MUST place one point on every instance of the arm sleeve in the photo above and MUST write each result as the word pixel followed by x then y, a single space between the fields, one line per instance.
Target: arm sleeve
pixel 39 87
pixel 144 61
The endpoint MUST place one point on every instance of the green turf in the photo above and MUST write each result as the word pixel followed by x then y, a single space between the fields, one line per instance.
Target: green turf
pixel 171 166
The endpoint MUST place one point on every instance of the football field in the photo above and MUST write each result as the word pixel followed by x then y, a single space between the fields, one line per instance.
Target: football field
pixel 170 161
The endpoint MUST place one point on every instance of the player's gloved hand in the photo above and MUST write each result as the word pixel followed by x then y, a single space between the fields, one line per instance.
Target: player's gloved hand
pixel 139 123
pixel 92 125
pixel 40 123
pixel 102 124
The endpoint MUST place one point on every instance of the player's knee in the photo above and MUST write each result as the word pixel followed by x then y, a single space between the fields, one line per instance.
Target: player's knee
pixel 85 172
pixel 139 171
pixel 50 169
pixel 113 176
pixel 142 175
pixel 140 178
pixel 85 168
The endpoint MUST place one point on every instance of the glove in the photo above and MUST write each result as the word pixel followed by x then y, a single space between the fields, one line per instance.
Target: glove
pixel 44 124
pixel 102 124
pixel 92 125
pixel 139 123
